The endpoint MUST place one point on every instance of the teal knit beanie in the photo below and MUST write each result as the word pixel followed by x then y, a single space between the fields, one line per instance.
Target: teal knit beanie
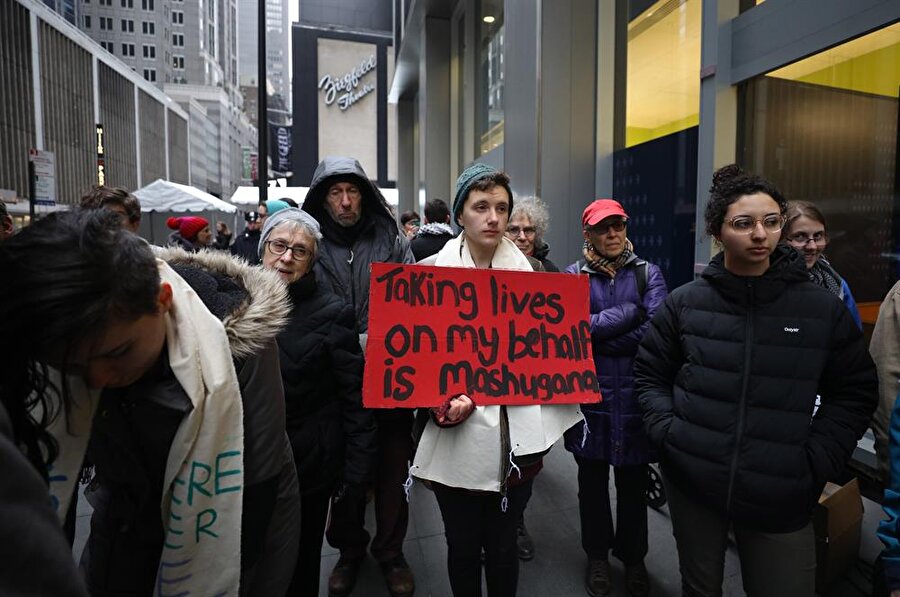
pixel 470 176
pixel 275 205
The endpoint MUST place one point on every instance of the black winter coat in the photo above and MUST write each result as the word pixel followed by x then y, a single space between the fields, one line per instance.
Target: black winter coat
pixel 332 436
pixel 425 245
pixel 727 378
pixel 342 264
pixel 247 246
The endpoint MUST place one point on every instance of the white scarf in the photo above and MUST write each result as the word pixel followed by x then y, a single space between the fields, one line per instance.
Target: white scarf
pixel 203 492
pixel 468 455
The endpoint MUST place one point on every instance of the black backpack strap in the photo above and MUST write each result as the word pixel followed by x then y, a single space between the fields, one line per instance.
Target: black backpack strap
pixel 641 277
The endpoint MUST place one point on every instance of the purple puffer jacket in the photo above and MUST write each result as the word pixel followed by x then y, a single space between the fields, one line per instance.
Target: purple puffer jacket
pixel 616 429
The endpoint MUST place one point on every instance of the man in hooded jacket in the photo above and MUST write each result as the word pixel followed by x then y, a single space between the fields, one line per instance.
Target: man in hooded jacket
pixel 359 229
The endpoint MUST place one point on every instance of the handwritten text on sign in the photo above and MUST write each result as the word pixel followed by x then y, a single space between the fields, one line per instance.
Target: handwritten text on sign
pixel 504 337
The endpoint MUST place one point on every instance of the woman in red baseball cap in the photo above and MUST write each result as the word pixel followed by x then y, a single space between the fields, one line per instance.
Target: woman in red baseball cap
pixel 625 292
pixel 192 233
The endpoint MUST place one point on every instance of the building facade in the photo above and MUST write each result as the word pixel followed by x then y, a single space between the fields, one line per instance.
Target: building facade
pixel 642 100
pixel 340 107
pixel 66 95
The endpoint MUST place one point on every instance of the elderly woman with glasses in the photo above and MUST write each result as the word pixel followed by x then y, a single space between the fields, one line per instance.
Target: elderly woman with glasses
pixel 528 223
pixel 727 377
pixel 332 436
pixel 805 230
pixel 625 292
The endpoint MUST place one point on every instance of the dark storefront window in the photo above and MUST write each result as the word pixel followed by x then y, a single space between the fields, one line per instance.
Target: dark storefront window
pixel 655 176
pixel 489 92
pixel 825 130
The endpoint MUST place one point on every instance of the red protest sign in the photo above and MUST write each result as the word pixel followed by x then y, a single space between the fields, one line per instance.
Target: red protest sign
pixel 503 337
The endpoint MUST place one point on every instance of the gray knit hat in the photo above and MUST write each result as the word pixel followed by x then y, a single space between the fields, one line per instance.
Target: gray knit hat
pixel 470 176
pixel 291 214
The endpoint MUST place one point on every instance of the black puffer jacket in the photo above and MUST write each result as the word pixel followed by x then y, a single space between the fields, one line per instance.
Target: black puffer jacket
pixel 321 369
pixel 727 378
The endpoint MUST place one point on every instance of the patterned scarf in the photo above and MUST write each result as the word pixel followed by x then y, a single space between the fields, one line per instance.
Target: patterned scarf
pixel 823 274
pixel 599 263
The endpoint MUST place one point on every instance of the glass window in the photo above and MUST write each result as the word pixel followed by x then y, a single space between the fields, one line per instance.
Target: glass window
pixel 824 129
pixel 489 90
pixel 663 83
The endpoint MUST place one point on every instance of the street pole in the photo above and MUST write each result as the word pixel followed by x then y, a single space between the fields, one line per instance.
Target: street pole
pixel 262 113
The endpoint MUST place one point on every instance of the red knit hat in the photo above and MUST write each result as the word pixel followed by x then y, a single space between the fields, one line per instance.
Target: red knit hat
pixel 188 226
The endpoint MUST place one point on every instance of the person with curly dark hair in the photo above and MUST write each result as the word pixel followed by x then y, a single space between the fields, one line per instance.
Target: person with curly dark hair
pixel 728 377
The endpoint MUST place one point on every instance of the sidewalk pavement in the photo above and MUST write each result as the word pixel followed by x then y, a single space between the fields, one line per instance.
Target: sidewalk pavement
pixel 559 564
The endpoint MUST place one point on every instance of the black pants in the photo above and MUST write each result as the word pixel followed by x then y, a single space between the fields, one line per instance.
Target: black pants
pixel 628 540
pixel 347 531
pixel 313 515
pixel 474 521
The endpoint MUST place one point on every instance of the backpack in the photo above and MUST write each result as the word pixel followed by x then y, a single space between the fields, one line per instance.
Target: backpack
pixel 640 275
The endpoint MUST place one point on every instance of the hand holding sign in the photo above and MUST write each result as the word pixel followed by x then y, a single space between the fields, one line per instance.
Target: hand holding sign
pixel 506 337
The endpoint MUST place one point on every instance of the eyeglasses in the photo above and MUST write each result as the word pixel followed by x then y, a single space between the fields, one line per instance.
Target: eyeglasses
pixel 298 252
pixel 801 238
pixel 617 225
pixel 772 223
pixel 515 230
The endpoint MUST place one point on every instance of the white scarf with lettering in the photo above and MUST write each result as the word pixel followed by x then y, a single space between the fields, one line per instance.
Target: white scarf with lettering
pixel 202 498
pixel 468 455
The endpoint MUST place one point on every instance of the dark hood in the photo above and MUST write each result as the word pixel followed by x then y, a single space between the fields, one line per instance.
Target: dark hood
pixel 335 168
pixel 786 267
pixel 541 249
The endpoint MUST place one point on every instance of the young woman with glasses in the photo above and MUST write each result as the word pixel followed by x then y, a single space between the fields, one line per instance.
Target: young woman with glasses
pixel 727 377
pixel 805 230
pixel 332 436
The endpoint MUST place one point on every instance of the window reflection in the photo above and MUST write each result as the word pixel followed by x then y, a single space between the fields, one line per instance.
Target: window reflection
pixel 824 129
pixel 489 112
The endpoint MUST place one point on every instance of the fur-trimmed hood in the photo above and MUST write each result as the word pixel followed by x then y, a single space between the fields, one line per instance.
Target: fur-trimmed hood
pixel 251 302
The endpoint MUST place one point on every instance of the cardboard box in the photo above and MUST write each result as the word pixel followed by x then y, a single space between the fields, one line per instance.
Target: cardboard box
pixel 837 520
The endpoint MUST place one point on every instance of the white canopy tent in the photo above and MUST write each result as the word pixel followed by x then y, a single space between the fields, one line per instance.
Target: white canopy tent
pixel 248 197
pixel 162 195
pixel 172 199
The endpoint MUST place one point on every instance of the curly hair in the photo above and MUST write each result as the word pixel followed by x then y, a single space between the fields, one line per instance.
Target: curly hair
pixel 729 184
pixel 535 210
pixel 65 278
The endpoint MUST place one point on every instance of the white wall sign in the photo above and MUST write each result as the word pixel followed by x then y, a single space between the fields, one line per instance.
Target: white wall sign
pixel 44 173
pixel 348 84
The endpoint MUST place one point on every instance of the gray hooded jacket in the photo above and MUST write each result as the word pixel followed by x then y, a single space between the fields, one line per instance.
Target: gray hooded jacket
pixel 345 269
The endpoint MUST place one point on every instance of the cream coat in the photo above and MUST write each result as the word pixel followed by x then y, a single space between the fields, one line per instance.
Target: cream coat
pixel 469 455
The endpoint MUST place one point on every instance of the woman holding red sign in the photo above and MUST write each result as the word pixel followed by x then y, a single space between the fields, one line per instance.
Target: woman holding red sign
pixel 625 292
pixel 482 460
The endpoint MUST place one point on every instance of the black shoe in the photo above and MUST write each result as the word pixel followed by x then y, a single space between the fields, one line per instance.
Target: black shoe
pixel 343 577
pixel 524 544
pixel 597 581
pixel 637 581
pixel 399 577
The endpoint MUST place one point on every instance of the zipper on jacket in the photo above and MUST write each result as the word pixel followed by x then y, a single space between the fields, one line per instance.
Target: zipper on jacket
pixel 742 404
pixel 504 450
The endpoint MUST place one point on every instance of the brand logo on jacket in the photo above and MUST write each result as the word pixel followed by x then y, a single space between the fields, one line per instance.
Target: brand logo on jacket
pixel 792 330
